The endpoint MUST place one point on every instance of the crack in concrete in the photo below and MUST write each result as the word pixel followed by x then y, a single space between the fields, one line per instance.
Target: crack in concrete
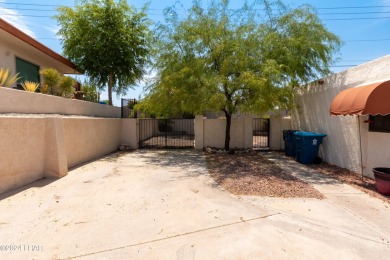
pixel 175 236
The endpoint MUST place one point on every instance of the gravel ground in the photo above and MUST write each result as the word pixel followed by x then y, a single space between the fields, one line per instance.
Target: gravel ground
pixel 251 174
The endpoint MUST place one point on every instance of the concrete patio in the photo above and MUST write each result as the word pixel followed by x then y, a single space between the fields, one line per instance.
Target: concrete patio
pixel 163 205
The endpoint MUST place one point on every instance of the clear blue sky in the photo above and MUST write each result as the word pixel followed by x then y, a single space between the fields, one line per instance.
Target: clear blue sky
pixel 363 25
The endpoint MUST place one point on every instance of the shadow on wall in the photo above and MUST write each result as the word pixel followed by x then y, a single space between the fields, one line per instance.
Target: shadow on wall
pixel 341 146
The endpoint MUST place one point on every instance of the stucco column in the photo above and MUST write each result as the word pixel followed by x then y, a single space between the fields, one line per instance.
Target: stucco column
pixel 275 132
pixel 130 130
pixel 199 132
pixel 248 131
pixel 55 162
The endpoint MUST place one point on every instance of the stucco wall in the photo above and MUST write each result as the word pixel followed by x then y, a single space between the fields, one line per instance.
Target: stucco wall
pixel 21 156
pixel 130 132
pixel 341 147
pixel 17 101
pixel 33 148
pixel 87 139
pixel 213 133
pixel 278 123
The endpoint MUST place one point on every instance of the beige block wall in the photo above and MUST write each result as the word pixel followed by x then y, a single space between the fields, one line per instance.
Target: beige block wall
pixel 214 133
pixel 22 151
pixel 88 139
pixel 341 147
pixel 278 123
pixel 17 101
pixel 33 148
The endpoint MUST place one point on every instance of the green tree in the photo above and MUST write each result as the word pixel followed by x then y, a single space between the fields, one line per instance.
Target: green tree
pixel 107 40
pixel 91 90
pixel 244 60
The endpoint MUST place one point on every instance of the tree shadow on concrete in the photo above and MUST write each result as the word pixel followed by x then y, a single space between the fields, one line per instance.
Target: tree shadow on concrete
pixel 186 159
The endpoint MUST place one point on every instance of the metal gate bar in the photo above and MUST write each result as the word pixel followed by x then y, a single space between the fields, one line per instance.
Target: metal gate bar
pixel 261 129
pixel 166 133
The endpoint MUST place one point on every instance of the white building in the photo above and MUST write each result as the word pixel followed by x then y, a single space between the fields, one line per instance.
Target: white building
pixel 354 142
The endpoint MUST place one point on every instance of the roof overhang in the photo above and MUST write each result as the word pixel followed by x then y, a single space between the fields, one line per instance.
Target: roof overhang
pixel 372 99
pixel 67 66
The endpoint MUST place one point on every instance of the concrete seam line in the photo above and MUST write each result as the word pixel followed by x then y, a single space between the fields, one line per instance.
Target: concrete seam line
pixel 308 221
pixel 359 217
pixel 242 220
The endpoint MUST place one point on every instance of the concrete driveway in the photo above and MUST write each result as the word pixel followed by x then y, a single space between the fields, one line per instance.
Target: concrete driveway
pixel 163 205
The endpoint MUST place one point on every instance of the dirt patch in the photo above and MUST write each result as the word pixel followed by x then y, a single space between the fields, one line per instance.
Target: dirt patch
pixel 251 174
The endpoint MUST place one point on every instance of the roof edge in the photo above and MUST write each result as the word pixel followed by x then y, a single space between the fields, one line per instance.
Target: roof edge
pixel 34 43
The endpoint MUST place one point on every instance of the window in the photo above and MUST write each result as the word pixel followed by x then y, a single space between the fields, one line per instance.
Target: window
pixel 27 71
pixel 379 124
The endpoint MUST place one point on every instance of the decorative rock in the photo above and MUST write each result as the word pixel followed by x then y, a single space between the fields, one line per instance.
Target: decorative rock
pixel 124 147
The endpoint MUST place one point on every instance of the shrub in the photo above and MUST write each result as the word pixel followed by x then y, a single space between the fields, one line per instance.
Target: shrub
pixel 51 78
pixel 66 87
pixel 6 80
pixel 30 86
pixel 56 84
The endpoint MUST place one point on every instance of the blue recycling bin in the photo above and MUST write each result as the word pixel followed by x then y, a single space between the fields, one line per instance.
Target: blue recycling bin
pixel 289 142
pixel 307 145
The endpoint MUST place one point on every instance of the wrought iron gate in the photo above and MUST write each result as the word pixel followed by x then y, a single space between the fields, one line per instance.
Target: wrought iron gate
pixel 261 127
pixel 166 133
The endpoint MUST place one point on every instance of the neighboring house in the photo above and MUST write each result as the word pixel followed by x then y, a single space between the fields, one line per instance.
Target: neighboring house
pixel 24 55
pixel 351 134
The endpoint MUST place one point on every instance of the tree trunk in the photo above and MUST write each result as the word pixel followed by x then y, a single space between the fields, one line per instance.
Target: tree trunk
pixel 110 82
pixel 227 132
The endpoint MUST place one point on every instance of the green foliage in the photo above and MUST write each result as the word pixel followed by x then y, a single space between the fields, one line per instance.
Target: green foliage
pixel 30 86
pixel 66 87
pixel 6 80
pixel 57 84
pixel 91 90
pixel 107 40
pixel 219 59
pixel 51 79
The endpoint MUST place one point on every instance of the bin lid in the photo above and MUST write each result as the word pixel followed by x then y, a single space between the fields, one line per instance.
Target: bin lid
pixel 289 131
pixel 302 133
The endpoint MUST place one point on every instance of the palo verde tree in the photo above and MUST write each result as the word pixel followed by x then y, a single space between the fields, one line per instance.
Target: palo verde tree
pixel 107 40
pixel 244 60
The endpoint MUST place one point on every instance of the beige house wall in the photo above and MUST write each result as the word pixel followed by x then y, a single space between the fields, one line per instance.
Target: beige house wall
pixel 17 101
pixel 11 47
pixel 342 147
